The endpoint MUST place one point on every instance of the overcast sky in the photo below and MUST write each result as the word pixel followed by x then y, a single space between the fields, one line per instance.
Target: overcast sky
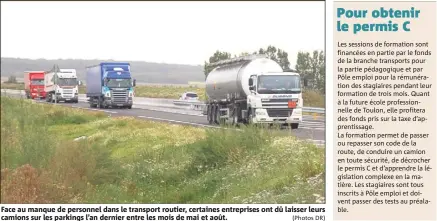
pixel 167 32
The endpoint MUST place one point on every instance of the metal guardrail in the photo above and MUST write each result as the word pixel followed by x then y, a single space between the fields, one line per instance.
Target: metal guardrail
pixel 196 105
pixel 317 110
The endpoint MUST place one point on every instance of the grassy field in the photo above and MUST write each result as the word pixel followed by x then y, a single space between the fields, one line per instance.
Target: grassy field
pixel 311 98
pixel 124 160
pixel 12 86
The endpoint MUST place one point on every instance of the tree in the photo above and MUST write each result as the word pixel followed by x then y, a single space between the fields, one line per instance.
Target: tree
pixel 216 57
pixel 277 55
pixel 318 64
pixel 242 54
pixel 312 69
pixel 283 60
pixel 12 79
pixel 272 52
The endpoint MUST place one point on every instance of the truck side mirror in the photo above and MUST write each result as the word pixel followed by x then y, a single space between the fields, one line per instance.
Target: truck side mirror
pixel 79 83
pixel 250 82
pixel 134 82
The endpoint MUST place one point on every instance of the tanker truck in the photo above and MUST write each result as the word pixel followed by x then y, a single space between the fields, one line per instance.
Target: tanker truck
pixel 61 85
pixel 253 90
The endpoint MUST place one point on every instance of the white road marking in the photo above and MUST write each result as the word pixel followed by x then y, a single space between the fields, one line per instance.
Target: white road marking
pixel 177 121
pixel 305 118
pixel 310 125
pixel 311 128
pixel 86 108
pixel 168 111
pixel 308 121
pixel 317 141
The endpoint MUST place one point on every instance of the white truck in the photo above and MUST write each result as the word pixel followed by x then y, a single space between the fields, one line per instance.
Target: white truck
pixel 61 85
pixel 253 89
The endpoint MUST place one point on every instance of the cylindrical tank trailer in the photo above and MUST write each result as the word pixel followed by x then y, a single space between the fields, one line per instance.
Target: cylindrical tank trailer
pixel 232 79
pixel 253 89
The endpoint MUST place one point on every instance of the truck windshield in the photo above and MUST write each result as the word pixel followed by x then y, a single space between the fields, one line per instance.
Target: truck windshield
pixel 279 84
pixel 67 81
pixel 118 83
pixel 38 82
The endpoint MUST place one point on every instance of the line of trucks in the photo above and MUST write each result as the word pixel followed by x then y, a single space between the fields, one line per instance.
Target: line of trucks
pixel 53 86
pixel 109 84
pixel 251 89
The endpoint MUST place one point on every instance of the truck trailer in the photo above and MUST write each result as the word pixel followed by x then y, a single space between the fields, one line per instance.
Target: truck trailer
pixel 61 85
pixel 34 84
pixel 253 90
pixel 110 85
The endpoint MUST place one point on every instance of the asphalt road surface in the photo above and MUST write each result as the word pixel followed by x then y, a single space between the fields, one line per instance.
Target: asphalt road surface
pixel 312 128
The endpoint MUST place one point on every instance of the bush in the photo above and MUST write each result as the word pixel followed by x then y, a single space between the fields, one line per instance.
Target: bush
pixel 37 167
pixel 11 80
pixel 224 147
pixel 313 99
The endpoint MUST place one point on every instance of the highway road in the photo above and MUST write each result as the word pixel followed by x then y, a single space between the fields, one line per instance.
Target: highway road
pixel 312 129
pixel 199 84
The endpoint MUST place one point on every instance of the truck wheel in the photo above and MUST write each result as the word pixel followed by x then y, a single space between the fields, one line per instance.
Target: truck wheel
pixel 100 104
pixel 234 116
pixel 208 113
pixel 92 105
pixel 214 114
pixel 222 121
pixel 294 126
pixel 248 120
pixel 211 114
pixel 217 114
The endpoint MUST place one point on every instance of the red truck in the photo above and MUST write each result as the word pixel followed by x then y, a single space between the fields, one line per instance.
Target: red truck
pixel 34 84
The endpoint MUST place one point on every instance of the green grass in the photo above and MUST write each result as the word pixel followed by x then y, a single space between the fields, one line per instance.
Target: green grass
pixel 125 160
pixel 311 98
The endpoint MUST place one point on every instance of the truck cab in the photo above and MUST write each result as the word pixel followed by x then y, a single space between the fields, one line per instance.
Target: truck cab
pixel 62 85
pixel 34 84
pixel 110 85
pixel 275 98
